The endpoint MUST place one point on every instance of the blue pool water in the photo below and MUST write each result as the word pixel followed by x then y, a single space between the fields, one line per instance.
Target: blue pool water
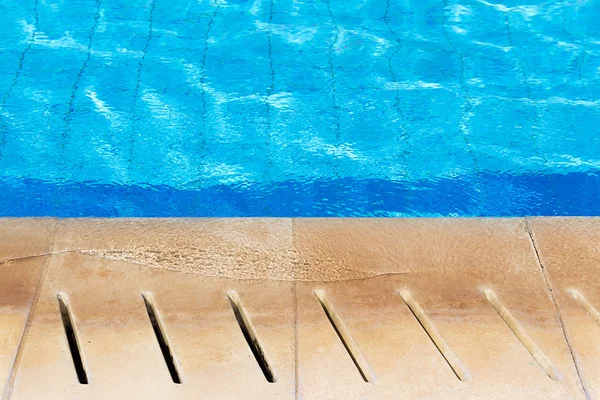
pixel 299 108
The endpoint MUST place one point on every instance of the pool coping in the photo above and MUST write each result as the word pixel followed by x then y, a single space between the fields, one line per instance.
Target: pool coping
pixel 518 275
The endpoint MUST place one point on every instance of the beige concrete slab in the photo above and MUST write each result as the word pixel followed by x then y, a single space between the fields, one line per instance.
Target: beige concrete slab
pixel 216 361
pixel 445 265
pixel 18 282
pixel 119 347
pixel 25 237
pixel 222 248
pixel 569 249
pixel 19 277
pixel 448 342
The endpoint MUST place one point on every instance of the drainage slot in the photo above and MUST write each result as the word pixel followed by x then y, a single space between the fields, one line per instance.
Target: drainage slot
pixel 250 335
pixel 436 338
pixel 72 339
pixel 163 342
pixel 344 336
pixel 514 326
pixel 592 312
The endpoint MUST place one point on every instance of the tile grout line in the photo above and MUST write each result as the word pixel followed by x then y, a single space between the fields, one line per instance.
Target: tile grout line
pixel 7 392
pixel 557 309
pixel 297 394
pixel 296 345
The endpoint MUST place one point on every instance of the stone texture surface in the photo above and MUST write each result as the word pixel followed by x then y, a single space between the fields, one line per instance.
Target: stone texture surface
pixel 569 249
pixel 22 246
pixel 222 248
pixel 445 265
pixel 275 266
pixel 119 347
pixel 20 238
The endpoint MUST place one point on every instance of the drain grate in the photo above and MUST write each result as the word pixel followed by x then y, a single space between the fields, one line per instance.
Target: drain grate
pixel 436 338
pixel 250 335
pixel 349 344
pixel 344 336
pixel 161 336
pixel 331 309
pixel 71 334
pixel 519 332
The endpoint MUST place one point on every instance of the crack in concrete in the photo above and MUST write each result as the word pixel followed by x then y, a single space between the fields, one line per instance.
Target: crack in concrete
pixel 7 392
pixel 297 394
pixel 12 260
pixel 113 256
pixel 558 314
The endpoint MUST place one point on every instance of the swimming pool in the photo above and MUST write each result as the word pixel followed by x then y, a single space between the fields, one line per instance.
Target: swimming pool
pixel 299 108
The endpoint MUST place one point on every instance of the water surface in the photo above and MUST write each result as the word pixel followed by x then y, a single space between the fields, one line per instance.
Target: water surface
pixel 299 108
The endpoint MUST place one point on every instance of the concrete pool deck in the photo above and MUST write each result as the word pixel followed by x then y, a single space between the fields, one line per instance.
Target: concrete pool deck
pixel 300 308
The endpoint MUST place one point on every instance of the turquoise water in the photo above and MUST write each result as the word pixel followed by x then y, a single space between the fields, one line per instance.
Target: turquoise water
pixel 299 108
